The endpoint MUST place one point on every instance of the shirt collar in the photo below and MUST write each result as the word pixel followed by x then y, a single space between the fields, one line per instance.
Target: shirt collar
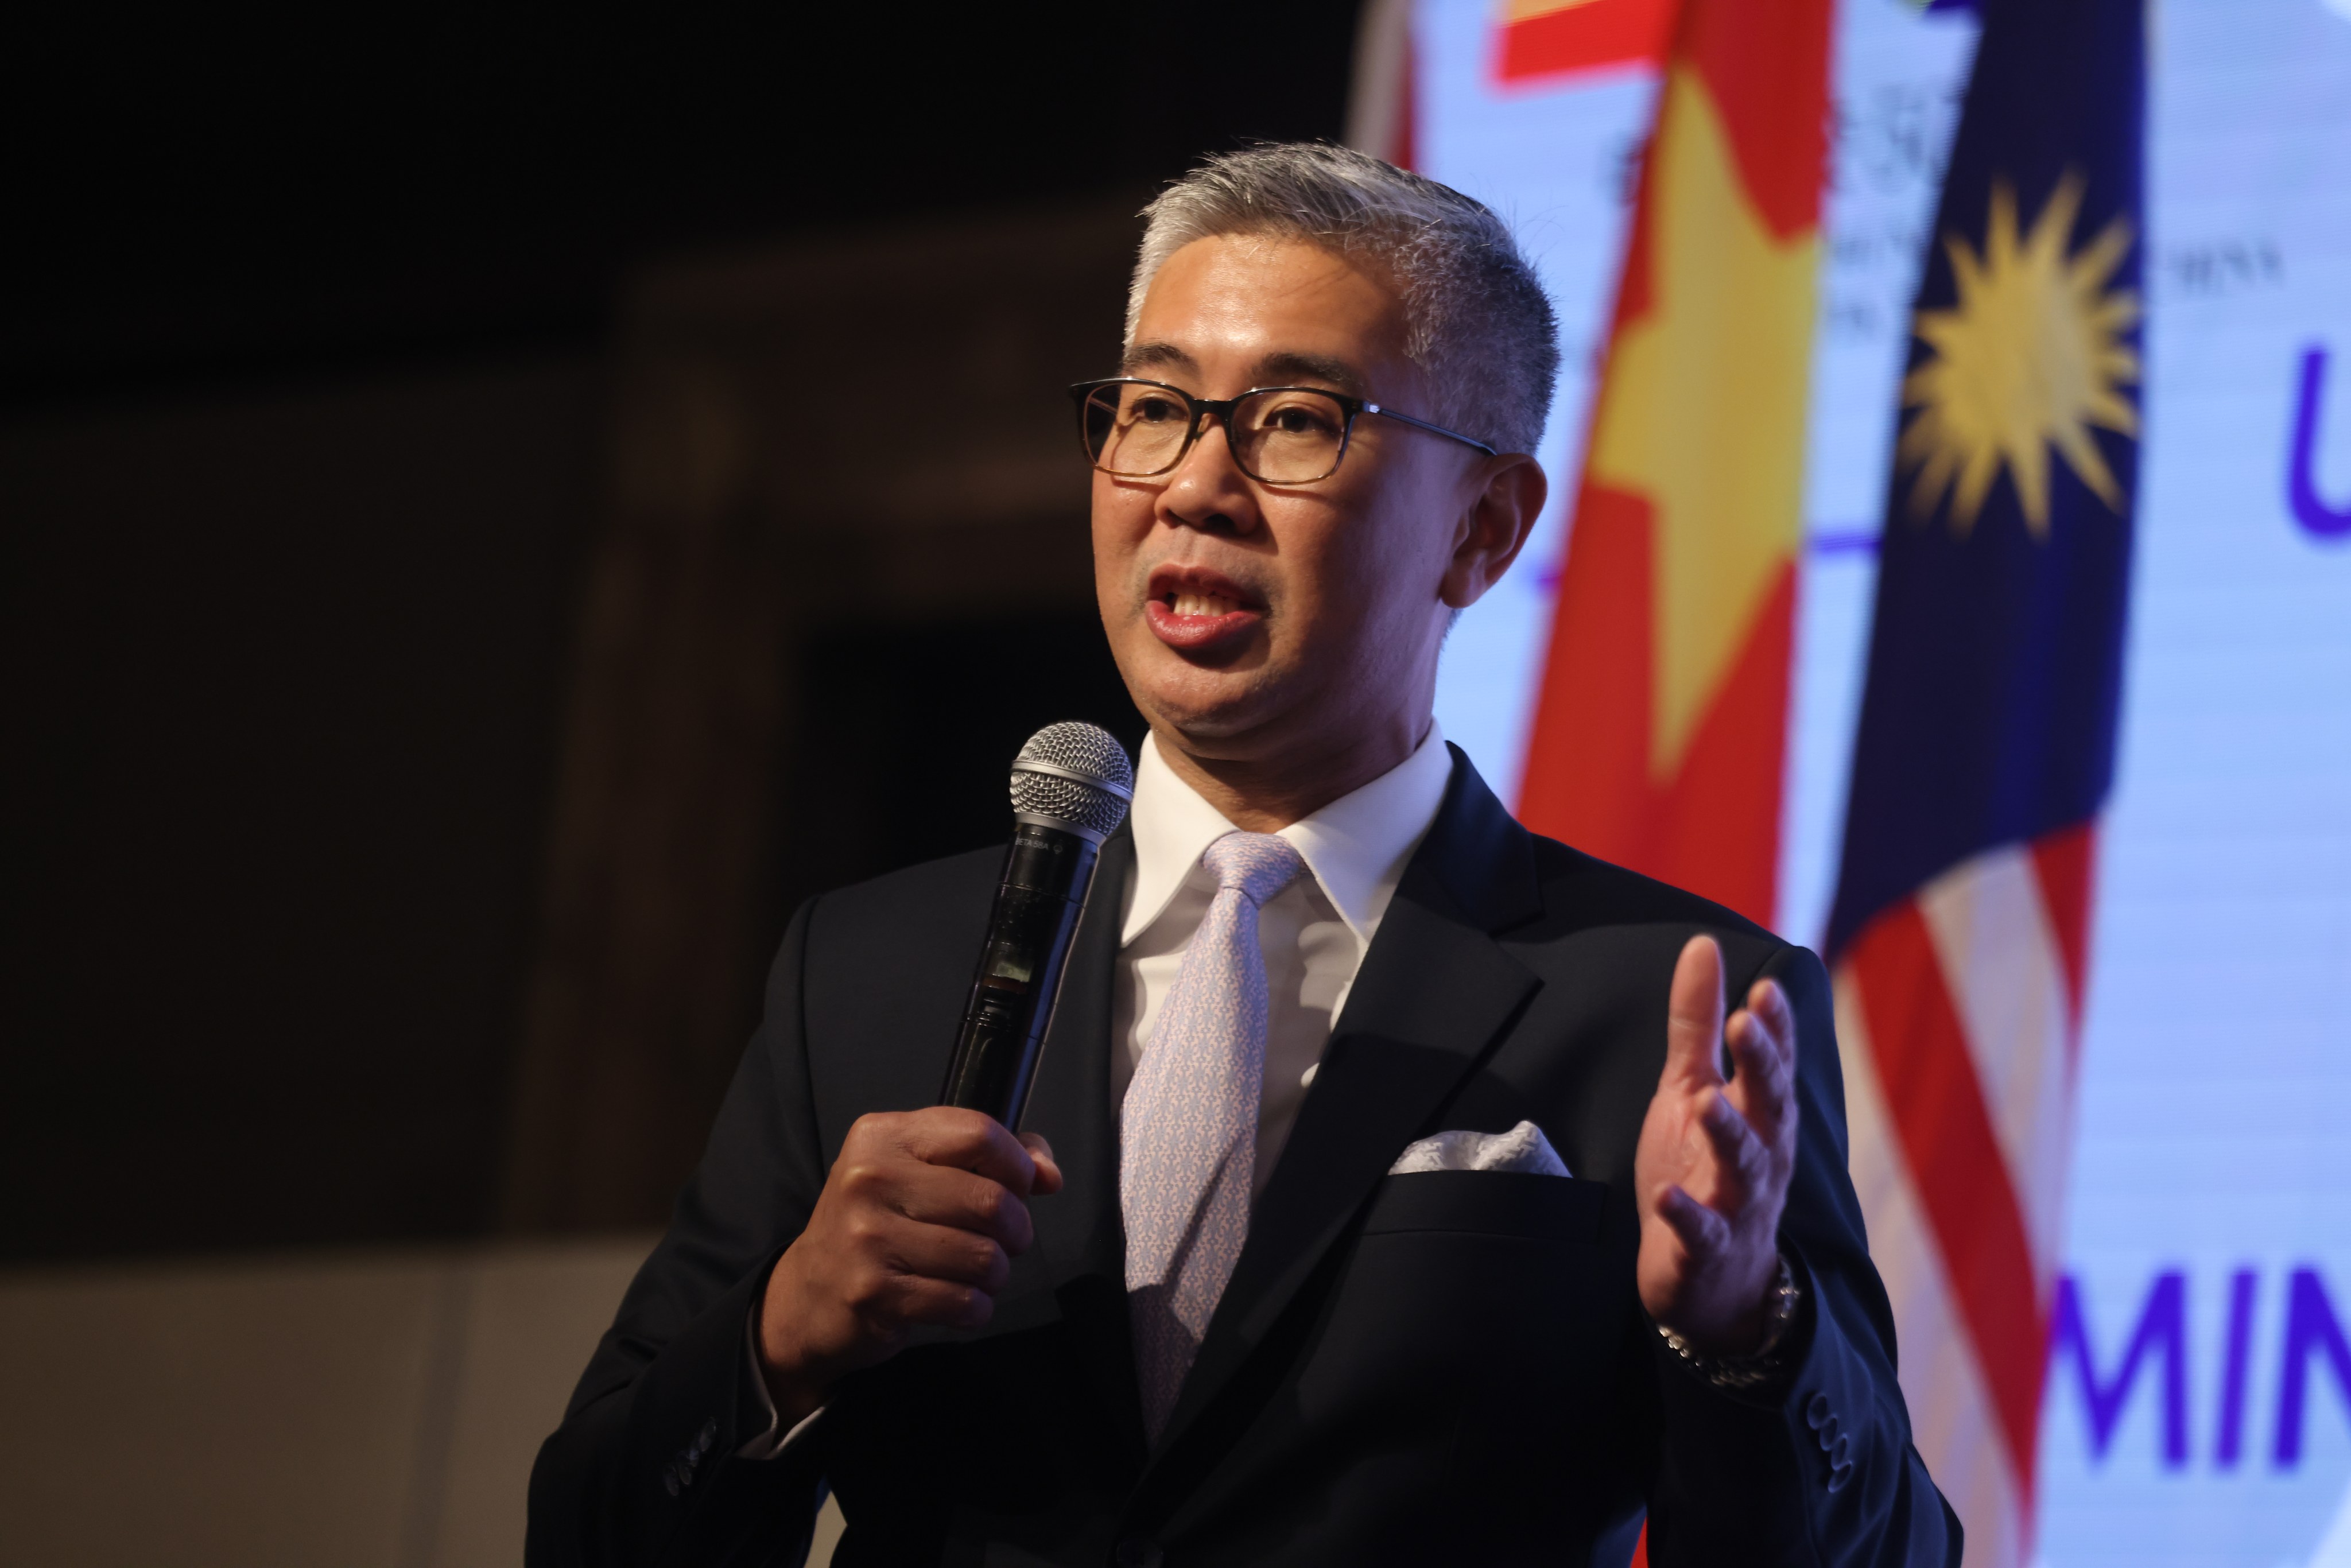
pixel 1356 847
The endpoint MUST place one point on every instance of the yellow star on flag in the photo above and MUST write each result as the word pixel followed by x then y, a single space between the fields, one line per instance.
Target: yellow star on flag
pixel 1704 413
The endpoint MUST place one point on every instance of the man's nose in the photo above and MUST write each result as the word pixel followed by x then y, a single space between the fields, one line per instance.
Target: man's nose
pixel 1208 488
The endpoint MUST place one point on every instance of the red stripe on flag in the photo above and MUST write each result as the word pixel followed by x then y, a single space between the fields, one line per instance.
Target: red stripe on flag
pixel 1583 36
pixel 2064 861
pixel 1964 1183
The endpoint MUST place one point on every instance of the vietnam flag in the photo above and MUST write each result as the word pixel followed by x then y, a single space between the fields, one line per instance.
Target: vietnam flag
pixel 1660 731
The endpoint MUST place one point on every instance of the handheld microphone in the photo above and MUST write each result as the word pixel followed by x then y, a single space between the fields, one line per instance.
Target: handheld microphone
pixel 1071 787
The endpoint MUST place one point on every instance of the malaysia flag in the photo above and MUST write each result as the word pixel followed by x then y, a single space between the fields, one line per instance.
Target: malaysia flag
pixel 1986 747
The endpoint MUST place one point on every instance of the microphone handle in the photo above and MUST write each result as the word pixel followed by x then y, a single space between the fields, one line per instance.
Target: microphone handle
pixel 1047 875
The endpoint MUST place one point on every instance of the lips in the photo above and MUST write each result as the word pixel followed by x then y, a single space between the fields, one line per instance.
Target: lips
pixel 1194 610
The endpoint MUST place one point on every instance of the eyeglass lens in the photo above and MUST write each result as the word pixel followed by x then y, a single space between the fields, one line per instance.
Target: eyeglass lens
pixel 1282 438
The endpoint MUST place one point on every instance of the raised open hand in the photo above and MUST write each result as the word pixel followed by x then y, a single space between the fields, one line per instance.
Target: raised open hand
pixel 1711 1173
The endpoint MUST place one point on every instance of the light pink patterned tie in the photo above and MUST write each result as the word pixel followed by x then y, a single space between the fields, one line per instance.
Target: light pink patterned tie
pixel 1188 1147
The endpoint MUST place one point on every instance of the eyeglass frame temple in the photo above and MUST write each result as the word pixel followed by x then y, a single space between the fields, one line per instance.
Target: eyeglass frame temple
pixel 1417 425
pixel 1353 407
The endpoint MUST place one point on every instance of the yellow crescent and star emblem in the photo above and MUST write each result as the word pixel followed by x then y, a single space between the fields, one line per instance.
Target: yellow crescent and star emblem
pixel 2030 356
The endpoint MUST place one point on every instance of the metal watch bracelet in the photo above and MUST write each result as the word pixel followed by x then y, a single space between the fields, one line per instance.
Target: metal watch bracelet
pixel 1762 1365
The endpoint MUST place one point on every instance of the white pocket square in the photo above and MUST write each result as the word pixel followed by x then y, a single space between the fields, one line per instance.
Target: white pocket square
pixel 1523 1149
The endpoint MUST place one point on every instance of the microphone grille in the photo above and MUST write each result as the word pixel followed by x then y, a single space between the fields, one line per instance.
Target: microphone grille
pixel 1076 774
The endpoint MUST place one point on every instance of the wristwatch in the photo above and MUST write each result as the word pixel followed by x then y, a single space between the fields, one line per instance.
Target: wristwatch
pixel 1762 1365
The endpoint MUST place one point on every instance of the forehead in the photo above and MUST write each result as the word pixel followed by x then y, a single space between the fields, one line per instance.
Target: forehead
pixel 1236 299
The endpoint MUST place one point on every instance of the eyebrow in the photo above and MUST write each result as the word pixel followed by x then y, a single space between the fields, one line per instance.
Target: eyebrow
pixel 1276 369
pixel 1157 356
pixel 1288 367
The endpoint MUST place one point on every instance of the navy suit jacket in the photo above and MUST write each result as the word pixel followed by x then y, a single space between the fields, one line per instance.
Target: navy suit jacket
pixel 1440 1367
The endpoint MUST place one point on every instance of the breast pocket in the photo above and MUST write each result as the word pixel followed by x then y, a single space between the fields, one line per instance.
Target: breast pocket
pixel 1448 1268
pixel 1488 1203
pixel 1477 1328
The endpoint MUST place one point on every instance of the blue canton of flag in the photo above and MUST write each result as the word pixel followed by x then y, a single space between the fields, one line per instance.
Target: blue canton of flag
pixel 1986 745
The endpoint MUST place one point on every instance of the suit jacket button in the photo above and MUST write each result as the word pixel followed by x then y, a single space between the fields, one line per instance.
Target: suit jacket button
pixel 703 1439
pixel 1828 1434
pixel 1841 1453
pixel 1135 1552
pixel 670 1481
pixel 1839 1475
pixel 1816 1412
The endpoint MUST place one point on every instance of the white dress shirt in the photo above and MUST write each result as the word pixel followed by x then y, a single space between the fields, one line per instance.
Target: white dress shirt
pixel 1314 933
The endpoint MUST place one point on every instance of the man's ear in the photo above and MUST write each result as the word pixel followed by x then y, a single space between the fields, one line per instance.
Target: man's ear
pixel 1494 528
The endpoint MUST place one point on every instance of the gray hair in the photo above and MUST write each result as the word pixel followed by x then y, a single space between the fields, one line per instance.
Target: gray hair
pixel 1478 321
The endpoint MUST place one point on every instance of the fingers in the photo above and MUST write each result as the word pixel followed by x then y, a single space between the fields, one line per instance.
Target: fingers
pixel 920 1284
pixel 1694 1016
pixel 947 1167
pixel 919 1300
pixel 966 1202
pixel 1048 1170
pixel 944 1253
pixel 1770 1003
pixel 918 1224
pixel 1714 1190
pixel 1744 1155
pixel 1703 1232
pixel 973 1140
pixel 941 1196
pixel 923 1244
pixel 1762 1038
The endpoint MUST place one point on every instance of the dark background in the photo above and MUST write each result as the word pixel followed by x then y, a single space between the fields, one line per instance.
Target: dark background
pixel 199 197
pixel 325 349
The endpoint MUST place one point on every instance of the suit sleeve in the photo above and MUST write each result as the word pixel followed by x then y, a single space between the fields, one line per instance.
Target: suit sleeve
pixel 643 1470
pixel 1821 1469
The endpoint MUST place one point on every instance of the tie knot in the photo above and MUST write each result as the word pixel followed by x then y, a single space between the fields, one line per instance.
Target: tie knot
pixel 1258 865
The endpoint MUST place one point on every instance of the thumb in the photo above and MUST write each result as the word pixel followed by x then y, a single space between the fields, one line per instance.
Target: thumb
pixel 1048 1170
pixel 1694 1016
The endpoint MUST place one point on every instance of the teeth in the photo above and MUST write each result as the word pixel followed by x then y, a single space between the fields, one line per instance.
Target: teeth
pixel 1202 604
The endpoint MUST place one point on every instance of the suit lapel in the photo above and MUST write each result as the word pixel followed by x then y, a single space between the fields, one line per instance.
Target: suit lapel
pixel 1433 995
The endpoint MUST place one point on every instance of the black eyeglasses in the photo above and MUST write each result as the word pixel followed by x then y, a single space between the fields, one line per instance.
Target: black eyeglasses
pixel 1279 436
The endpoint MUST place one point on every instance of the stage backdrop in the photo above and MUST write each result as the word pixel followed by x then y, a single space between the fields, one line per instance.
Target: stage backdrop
pixel 2198 1407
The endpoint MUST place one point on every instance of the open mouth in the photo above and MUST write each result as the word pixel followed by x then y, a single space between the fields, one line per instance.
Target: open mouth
pixel 1190 603
pixel 1194 610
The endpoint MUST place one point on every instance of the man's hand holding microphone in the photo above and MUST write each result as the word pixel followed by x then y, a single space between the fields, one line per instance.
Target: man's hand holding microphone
pixel 918 1224
pixel 925 1211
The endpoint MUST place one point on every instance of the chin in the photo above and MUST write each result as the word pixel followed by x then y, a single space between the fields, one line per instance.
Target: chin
pixel 1204 705
pixel 1197 720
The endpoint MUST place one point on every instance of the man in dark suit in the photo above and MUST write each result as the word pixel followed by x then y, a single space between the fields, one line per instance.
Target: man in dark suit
pixel 1383 1197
